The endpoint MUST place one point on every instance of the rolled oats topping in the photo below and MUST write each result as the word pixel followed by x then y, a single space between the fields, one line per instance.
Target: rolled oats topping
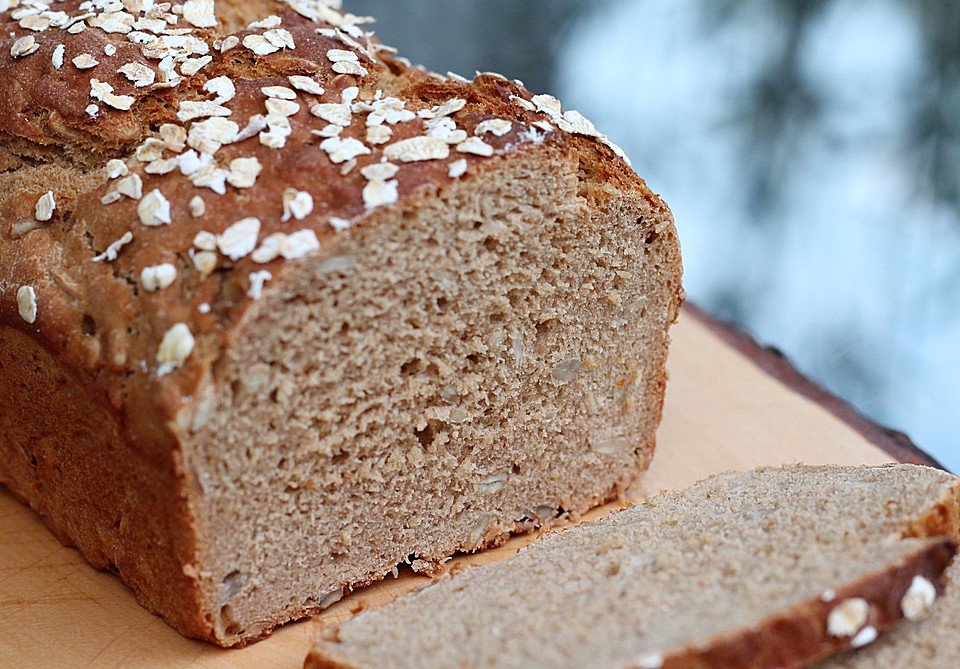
pixel 498 127
pixel 45 207
pixel 131 186
pixel 257 282
pixel 299 245
pixel 212 140
pixel 116 168
pixel 158 277
pixel 194 109
pixel 57 58
pixel 104 92
pixel 446 109
pixel 848 617
pixel 154 209
pixel 244 172
pixel 85 61
pixel 458 168
pixel 209 135
pixel 279 92
pixel 476 146
pixel 240 239
pixel 381 189
pixel 112 252
pixel 338 114
pixel 342 150
pixel 918 599
pixel 306 84
pixel 200 13
pixel 175 349
pixel 27 304
pixel 296 204
pixel 174 137
pixel 417 149
pixel 279 107
pixel 197 206
pixel 379 134
pixel 24 46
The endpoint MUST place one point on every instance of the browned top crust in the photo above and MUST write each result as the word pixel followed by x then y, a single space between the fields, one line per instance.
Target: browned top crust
pixel 183 167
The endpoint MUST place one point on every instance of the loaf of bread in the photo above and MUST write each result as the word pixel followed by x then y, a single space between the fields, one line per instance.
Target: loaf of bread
pixel 771 568
pixel 279 311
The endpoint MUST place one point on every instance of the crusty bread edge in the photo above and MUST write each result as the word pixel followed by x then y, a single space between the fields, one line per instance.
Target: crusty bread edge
pixel 800 635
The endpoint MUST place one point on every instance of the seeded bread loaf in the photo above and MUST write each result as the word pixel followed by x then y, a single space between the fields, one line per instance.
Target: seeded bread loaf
pixel 279 311
pixel 771 568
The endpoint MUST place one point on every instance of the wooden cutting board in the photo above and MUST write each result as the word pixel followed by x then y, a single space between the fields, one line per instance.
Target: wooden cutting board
pixel 723 411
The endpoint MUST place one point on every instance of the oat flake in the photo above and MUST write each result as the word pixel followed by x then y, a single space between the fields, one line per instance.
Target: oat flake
pixel 112 252
pixel 257 281
pixel 417 149
pixel 45 207
pixel 296 204
pixel 154 209
pixel 240 239
pixel 158 277
pixel 27 304
pixel 175 348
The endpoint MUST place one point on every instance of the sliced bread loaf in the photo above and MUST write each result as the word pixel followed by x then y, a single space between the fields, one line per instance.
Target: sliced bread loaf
pixel 770 568
pixel 279 312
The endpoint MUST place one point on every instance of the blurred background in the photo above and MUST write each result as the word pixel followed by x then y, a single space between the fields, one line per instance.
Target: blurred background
pixel 810 151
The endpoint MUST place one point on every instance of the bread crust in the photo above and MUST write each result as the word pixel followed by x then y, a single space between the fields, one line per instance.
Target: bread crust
pixel 801 635
pixel 124 493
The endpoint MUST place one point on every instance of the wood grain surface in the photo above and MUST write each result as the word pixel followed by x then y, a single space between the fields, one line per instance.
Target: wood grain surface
pixel 722 412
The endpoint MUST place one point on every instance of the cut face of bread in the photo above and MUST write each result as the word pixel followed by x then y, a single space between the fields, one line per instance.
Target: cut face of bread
pixel 773 568
pixel 467 368
pixel 293 312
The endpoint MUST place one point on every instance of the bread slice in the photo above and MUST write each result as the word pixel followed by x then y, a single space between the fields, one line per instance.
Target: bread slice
pixel 928 640
pixel 279 312
pixel 770 568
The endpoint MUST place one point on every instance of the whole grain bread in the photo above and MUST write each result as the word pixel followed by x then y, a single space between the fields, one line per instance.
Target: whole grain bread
pixel 770 568
pixel 279 311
